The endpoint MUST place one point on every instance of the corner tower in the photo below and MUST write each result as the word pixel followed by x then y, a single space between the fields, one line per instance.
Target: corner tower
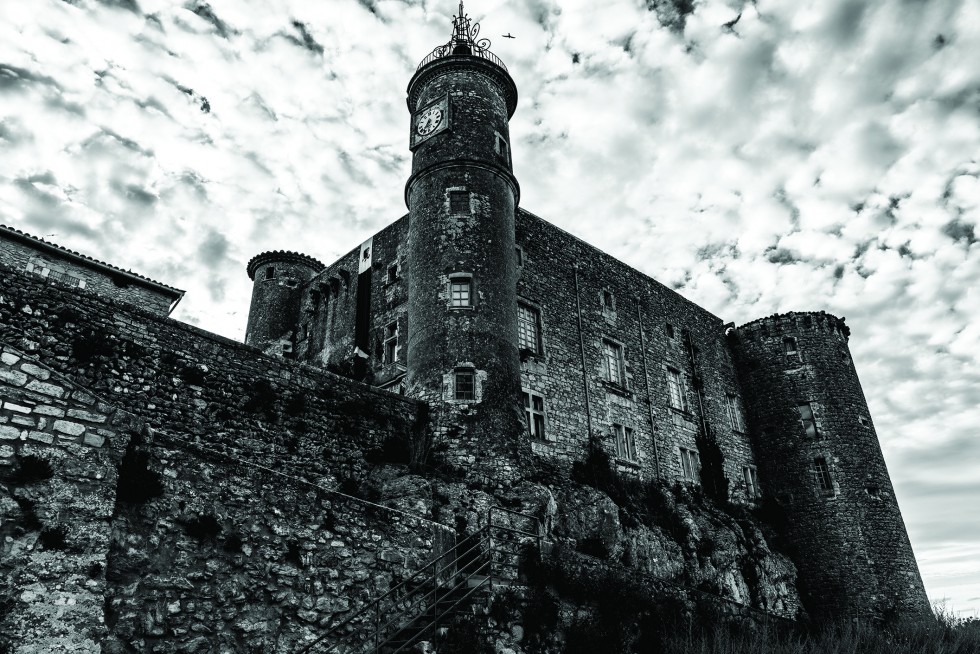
pixel 462 301
pixel 821 464
pixel 278 279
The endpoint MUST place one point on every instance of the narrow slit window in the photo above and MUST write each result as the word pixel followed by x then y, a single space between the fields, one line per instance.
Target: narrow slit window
pixel 608 301
pixel 270 272
pixel 751 482
pixel 391 342
pixel 393 273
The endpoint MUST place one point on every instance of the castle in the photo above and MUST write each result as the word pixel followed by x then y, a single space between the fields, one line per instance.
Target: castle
pixel 489 313
pixel 520 344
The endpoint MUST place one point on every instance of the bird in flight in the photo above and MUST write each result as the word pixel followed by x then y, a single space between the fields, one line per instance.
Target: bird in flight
pixel 508 35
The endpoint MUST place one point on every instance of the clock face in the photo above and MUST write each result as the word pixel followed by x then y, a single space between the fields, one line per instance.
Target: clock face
pixel 429 120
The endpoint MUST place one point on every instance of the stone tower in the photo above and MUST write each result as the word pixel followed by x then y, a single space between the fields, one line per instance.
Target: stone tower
pixel 820 461
pixel 278 280
pixel 462 302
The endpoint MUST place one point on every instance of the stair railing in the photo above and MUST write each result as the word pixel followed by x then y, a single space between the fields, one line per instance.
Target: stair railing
pixel 417 604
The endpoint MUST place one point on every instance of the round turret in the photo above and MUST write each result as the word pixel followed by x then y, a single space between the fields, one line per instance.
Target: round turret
pixel 462 301
pixel 278 281
pixel 821 464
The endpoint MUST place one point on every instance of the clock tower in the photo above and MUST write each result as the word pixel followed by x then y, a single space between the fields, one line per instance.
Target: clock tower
pixel 462 302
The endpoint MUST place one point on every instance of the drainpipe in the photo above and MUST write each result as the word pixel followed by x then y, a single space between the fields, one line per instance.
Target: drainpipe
pixel 581 343
pixel 646 381
pixel 698 381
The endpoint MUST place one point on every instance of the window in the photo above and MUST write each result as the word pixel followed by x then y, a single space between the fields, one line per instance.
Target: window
pixel 625 443
pixel 465 385
pixel 460 291
pixel 734 415
pixel 808 419
pixel 612 354
pixel 459 202
pixel 501 147
pixel 534 412
pixel 528 328
pixel 608 301
pixel 270 272
pixel 864 421
pixel 789 347
pixel 392 273
pixel 519 253
pixel 670 331
pixel 822 472
pixel 675 387
pixel 390 343
pixel 751 482
pixel 690 464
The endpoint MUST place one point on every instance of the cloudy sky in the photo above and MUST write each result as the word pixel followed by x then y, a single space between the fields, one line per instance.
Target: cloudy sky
pixel 757 156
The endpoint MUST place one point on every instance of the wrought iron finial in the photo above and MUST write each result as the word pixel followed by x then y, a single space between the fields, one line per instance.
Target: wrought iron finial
pixel 464 41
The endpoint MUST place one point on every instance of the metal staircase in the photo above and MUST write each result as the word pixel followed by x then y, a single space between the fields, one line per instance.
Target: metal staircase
pixel 415 609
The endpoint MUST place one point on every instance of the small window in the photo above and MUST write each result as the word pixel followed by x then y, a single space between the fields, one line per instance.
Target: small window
pixel 392 273
pixel 528 328
pixel 519 254
pixel 808 419
pixel 501 146
pixel 734 413
pixel 789 348
pixel 751 477
pixel 460 291
pixel 390 343
pixel 459 202
pixel 670 331
pixel 822 472
pixel 675 386
pixel 625 442
pixel 270 272
pixel 690 464
pixel 534 412
pixel 608 301
pixel 613 364
pixel 864 421
pixel 465 385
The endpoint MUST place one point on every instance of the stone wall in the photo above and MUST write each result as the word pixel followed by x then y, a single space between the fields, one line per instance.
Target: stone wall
pixel 651 324
pixel 60 448
pixel 231 535
pixel 846 531
pixel 58 266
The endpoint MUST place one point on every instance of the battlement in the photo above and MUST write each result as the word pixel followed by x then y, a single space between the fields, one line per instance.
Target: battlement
pixel 282 256
pixel 794 321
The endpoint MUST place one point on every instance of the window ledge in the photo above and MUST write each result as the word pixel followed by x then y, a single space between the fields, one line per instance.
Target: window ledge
pixel 629 463
pixel 685 414
pixel 618 389
pixel 469 308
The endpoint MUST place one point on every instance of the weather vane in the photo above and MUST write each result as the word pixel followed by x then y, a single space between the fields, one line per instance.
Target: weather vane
pixel 465 41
